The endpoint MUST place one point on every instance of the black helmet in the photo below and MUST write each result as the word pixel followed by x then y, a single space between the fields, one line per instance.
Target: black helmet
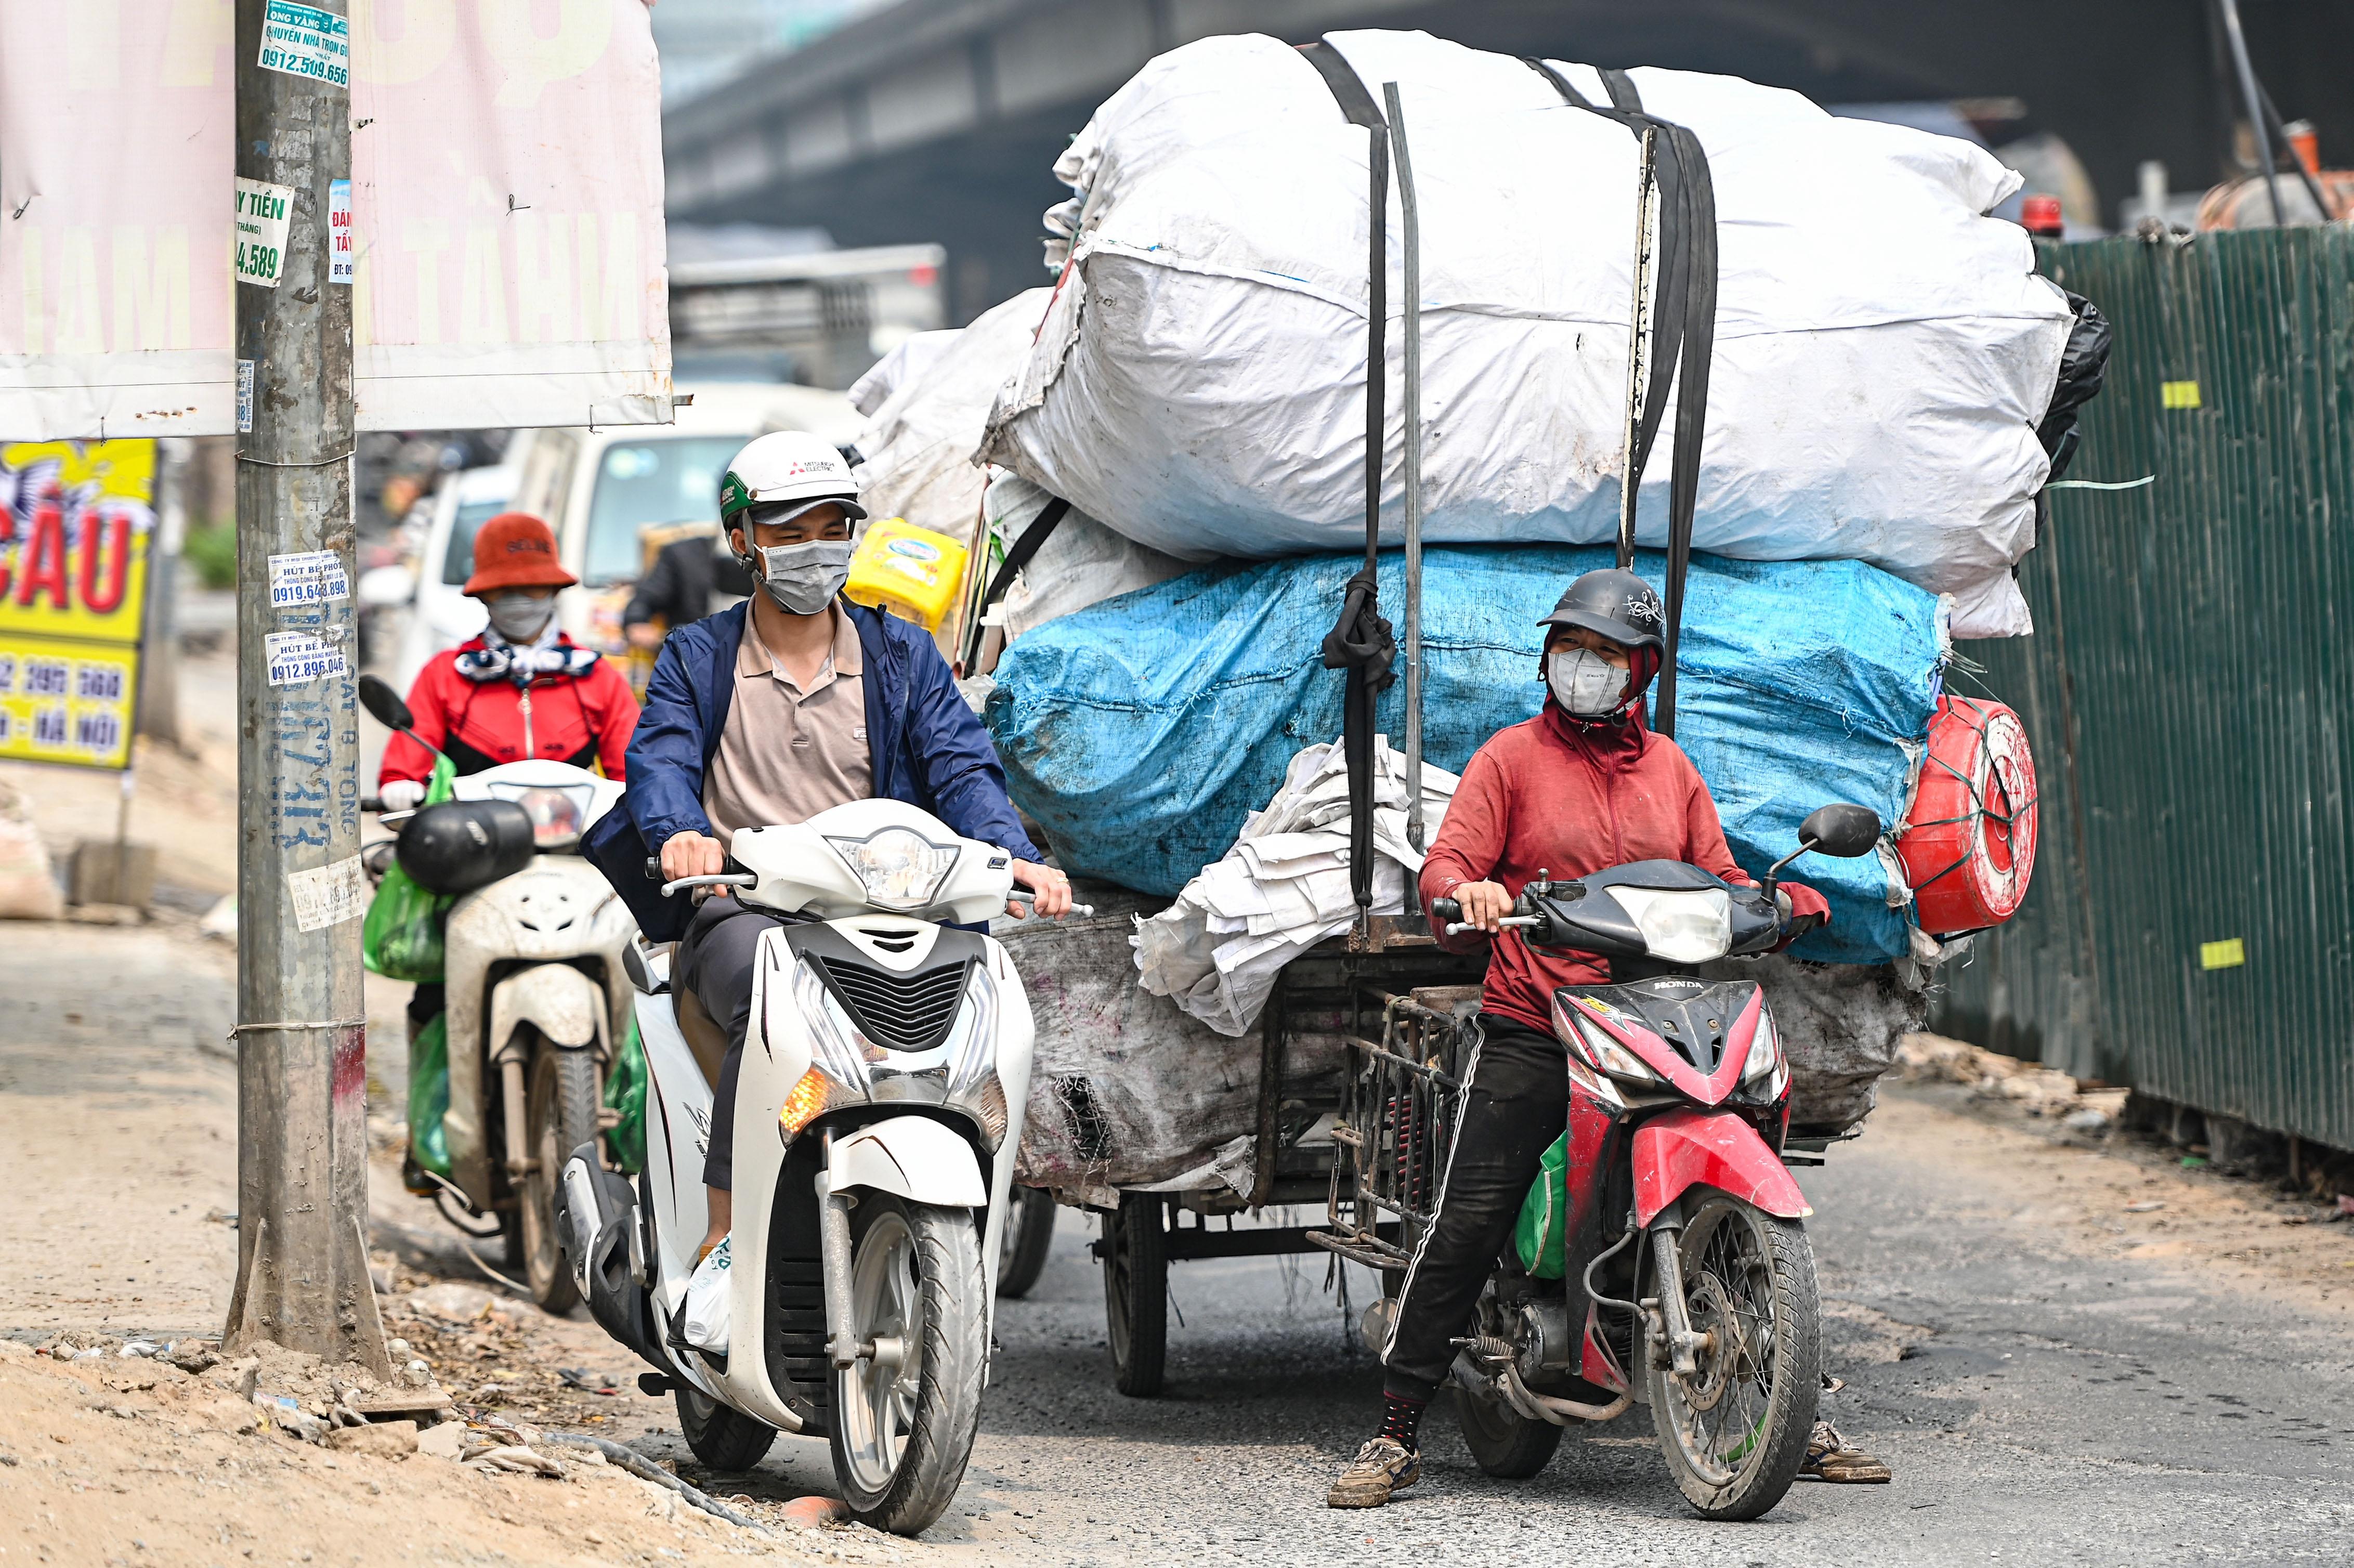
pixel 1618 604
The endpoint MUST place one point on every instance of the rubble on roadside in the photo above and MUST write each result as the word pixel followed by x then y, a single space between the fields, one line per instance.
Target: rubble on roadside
pixel 2038 1091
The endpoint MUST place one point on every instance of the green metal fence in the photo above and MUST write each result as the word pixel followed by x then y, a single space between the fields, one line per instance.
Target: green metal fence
pixel 2188 695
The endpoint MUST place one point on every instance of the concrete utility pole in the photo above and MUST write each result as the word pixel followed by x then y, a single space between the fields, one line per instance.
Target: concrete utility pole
pixel 302 1267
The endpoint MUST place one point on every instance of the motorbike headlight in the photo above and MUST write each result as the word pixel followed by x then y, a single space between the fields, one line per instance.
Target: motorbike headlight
pixel 1607 1056
pixel 1764 1050
pixel 558 814
pixel 842 1050
pixel 900 868
pixel 973 1083
pixel 1680 926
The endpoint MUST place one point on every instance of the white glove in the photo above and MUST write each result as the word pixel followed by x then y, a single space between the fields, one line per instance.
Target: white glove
pixel 400 794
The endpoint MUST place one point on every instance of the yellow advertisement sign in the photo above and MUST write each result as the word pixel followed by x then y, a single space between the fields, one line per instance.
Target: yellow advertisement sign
pixel 67 702
pixel 75 521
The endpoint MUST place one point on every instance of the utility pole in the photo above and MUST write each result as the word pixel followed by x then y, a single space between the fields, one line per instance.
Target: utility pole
pixel 302 1266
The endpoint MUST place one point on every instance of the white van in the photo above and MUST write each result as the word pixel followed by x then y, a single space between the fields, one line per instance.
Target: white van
pixel 597 488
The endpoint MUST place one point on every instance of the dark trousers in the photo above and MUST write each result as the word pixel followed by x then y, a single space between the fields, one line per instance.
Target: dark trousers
pixel 1515 1103
pixel 715 962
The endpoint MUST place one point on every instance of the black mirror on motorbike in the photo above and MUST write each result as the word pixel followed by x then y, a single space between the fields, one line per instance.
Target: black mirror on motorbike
pixel 384 704
pixel 1841 829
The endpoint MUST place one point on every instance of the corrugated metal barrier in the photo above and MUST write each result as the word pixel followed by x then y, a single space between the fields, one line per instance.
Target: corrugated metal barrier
pixel 2191 928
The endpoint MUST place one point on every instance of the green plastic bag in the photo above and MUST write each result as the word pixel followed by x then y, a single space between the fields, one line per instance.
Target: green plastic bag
pixel 1544 1214
pixel 625 1091
pixel 429 1096
pixel 401 939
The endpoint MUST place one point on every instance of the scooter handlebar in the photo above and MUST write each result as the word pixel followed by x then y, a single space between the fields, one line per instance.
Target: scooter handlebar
pixel 1023 896
pixel 720 879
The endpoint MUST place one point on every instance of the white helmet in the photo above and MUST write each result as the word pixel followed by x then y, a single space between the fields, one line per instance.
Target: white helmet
pixel 787 466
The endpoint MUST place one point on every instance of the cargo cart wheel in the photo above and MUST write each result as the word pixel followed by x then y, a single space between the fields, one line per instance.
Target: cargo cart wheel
pixel 1029 1235
pixel 1136 1293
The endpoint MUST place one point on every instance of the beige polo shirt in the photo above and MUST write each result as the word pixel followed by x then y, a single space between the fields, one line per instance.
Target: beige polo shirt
pixel 788 754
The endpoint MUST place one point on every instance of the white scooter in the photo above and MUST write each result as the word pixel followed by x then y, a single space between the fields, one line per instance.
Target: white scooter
pixel 533 968
pixel 884 1075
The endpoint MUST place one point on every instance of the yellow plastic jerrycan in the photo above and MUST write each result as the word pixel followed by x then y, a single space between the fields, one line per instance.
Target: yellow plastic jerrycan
pixel 912 572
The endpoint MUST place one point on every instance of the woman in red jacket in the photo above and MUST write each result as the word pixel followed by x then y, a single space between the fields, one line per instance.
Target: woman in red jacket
pixel 520 691
pixel 1583 786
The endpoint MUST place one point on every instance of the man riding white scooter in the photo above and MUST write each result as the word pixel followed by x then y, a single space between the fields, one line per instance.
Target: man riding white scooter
pixel 769 713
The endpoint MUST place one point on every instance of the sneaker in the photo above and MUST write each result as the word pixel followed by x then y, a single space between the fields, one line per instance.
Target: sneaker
pixel 1832 1457
pixel 1381 1468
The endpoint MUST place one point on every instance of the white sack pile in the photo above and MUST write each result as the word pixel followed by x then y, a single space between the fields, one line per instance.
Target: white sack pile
pixel 1081 563
pixel 1284 886
pixel 1883 352
pixel 926 403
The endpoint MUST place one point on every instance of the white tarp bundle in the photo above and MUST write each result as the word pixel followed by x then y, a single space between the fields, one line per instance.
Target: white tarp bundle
pixel 1081 563
pixel 1883 352
pixel 1284 886
pixel 933 396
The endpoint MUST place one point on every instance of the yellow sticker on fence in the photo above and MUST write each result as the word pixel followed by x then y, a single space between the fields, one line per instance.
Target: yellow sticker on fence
pixel 2178 393
pixel 2229 954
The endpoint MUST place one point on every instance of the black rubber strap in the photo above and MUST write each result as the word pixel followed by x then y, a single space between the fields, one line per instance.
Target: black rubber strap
pixel 1015 559
pixel 1683 332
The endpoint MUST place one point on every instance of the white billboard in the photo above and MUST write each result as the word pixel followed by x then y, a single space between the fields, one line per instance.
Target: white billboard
pixel 504 225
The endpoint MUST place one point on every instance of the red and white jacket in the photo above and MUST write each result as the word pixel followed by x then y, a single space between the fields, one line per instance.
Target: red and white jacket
pixel 584 719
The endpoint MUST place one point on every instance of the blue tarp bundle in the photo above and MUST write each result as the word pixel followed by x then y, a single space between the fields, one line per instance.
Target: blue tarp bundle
pixel 1141 731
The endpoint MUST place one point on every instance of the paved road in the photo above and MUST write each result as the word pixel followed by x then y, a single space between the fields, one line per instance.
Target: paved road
pixel 2041 1400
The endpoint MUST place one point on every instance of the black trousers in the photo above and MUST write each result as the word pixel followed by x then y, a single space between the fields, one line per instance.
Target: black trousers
pixel 1515 1103
pixel 715 962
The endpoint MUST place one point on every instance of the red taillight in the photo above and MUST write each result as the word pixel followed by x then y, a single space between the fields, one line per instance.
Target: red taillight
pixel 2039 215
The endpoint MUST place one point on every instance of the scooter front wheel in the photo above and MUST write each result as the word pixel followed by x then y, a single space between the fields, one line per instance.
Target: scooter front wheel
pixel 1735 1431
pixel 905 1412
pixel 560 1115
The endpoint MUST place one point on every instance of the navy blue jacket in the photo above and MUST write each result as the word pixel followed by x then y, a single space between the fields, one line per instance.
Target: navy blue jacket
pixel 926 746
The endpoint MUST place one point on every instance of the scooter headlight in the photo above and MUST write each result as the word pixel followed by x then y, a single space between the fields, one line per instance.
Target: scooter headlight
pixel 1590 1043
pixel 1680 926
pixel 1768 1070
pixel 973 1083
pixel 901 868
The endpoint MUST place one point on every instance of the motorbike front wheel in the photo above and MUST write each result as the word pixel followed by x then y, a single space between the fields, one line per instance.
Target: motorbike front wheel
pixel 560 1100
pixel 1735 1431
pixel 904 1414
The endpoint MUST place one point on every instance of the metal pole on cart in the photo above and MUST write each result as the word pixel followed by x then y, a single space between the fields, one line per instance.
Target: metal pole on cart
pixel 1413 412
pixel 1639 334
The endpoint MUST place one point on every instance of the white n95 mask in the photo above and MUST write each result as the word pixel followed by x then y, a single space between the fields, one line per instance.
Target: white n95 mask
pixel 1584 683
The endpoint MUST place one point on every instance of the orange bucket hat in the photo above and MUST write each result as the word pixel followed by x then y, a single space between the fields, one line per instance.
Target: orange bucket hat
pixel 516 550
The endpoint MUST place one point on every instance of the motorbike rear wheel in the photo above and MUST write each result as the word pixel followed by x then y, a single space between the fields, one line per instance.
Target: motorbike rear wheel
pixel 722 1438
pixel 560 1115
pixel 1735 1432
pixel 1503 1443
pixel 1135 1253
pixel 1028 1235
pixel 903 1427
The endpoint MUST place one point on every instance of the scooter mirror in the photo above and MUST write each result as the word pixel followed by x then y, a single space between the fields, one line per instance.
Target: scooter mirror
pixel 385 704
pixel 1841 829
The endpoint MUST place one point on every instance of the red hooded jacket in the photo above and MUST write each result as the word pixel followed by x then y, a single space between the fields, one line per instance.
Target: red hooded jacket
pixel 1553 795
pixel 580 719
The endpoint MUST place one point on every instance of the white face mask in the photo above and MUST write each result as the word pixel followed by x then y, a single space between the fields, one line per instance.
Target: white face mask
pixel 1584 683
pixel 803 579
pixel 519 616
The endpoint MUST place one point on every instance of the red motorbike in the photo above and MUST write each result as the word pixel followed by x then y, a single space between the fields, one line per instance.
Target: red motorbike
pixel 1684 1278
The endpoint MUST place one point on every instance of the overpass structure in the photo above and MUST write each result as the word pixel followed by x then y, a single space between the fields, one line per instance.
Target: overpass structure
pixel 939 120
